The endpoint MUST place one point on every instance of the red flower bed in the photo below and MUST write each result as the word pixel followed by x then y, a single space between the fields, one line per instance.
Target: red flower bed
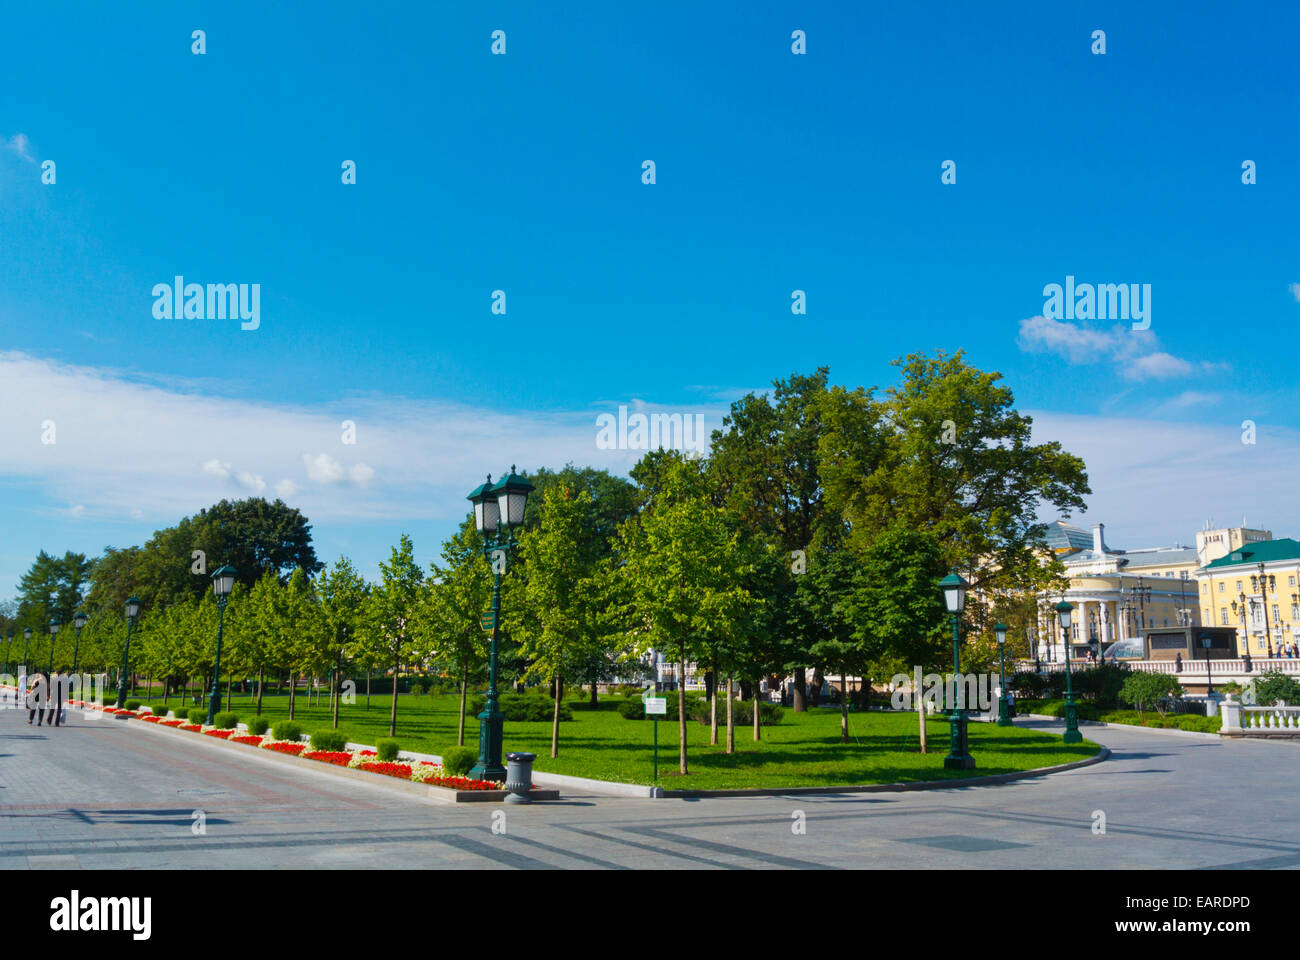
pixel 293 748
pixel 464 783
pixel 171 723
pixel 253 741
pixel 193 727
pixel 400 770
pixel 329 756
pixel 152 719
pixel 368 753
pixel 222 734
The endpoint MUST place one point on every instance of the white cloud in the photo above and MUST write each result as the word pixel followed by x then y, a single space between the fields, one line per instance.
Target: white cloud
pixel 1136 354
pixel 21 145
pixel 1295 291
pixel 168 449
pixel 322 468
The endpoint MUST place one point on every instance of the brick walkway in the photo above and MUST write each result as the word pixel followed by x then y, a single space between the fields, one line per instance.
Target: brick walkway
pixel 98 794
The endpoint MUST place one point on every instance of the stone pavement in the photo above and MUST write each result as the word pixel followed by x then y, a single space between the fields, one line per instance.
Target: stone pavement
pixel 97 794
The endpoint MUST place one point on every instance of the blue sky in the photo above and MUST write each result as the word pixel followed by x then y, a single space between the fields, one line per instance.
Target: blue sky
pixel 522 172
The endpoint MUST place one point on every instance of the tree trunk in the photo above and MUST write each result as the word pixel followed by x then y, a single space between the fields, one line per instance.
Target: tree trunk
pixel 558 687
pixel 681 708
pixel 844 704
pixel 731 729
pixel 335 695
pixel 392 713
pixel 593 694
pixel 799 696
pixel 713 716
pixel 261 682
pixel 464 682
pixel 920 710
pixel 367 688
pixel 757 713
pixel 293 692
pixel 227 693
pixel 148 691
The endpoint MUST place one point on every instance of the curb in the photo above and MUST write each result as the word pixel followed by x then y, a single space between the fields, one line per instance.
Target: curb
pixel 991 780
pixel 422 791
pixel 1131 726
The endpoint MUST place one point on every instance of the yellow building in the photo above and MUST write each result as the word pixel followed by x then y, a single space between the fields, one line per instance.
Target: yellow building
pixel 1253 587
pixel 1116 594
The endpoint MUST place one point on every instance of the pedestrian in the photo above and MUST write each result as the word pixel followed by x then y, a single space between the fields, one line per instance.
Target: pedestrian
pixel 36 696
pixel 57 683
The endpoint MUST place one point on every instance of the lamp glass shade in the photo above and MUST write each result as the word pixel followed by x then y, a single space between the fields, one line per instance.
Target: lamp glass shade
pixel 54 626
pixel 512 496
pixel 1063 612
pixel 79 620
pixel 223 581
pixel 132 607
pixel 487 514
pixel 954 592
pixel 1205 642
pixel 27 633
pixel 1001 632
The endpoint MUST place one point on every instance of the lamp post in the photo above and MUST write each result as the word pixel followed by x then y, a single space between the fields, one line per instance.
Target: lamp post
pixel 27 639
pixel 1072 735
pixel 9 664
pixel 223 581
pixel 954 595
pixel 1004 711
pixel 132 608
pixel 1209 680
pixel 498 511
pixel 54 632
pixel 1264 583
pixel 78 621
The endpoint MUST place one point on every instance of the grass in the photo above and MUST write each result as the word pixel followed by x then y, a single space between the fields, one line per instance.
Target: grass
pixel 1149 718
pixel 802 750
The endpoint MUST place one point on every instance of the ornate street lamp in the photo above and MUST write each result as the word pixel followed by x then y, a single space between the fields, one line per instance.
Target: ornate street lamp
pixel 78 621
pixel 1266 581
pixel 132 608
pixel 27 639
pixel 498 511
pixel 9 664
pixel 1209 680
pixel 223 581
pixel 54 632
pixel 954 596
pixel 1004 709
pixel 1072 735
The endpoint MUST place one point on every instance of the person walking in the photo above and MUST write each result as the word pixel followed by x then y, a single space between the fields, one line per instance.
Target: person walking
pixel 54 717
pixel 36 696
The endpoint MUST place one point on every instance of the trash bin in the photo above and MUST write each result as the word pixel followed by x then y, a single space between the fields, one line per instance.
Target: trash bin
pixel 519 776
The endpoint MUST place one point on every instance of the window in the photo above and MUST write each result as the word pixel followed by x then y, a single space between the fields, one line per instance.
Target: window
pixel 1295 611
pixel 1204 587
pixel 1277 617
pixel 1291 580
pixel 1239 586
pixel 1221 586
pixel 1224 615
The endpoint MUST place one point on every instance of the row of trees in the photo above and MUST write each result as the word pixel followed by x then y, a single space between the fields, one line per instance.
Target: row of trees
pixel 811 538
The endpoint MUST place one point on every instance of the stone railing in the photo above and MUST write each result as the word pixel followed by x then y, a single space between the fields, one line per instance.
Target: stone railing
pixel 1193 670
pixel 1243 721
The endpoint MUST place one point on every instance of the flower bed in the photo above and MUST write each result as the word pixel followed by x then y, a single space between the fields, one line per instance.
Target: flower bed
pixel 252 741
pixel 400 770
pixel 221 734
pixel 152 719
pixel 192 727
pixel 285 746
pixel 329 756
pixel 171 723
pixel 436 776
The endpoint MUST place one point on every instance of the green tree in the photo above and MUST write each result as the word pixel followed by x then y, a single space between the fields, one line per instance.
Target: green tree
pixel 342 594
pixel 392 605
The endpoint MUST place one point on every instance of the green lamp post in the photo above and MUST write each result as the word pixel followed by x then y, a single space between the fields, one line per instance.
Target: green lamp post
pixel 9 664
pixel 54 632
pixel 223 581
pixel 498 512
pixel 132 608
pixel 27 639
pixel 78 621
pixel 1072 734
pixel 1004 709
pixel 954 595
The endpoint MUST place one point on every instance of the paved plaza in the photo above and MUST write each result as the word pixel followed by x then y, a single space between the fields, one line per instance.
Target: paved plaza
pixel 101 794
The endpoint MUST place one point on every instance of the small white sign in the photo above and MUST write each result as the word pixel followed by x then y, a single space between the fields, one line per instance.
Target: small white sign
pixel 656 705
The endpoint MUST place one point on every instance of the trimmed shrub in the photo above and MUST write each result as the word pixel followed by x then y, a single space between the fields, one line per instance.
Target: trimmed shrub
pixel 197 715
pixel 131 705
pixel 257 725
pixel 331 740
pixel 287 730
pixel 1147 690
pixel 632 709
pixel 226 721
pixel 387 750
pixel 1273 686
pixel 458 760
pixel 531 707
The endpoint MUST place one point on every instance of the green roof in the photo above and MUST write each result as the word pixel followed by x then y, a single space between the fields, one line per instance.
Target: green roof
pixel 1265 551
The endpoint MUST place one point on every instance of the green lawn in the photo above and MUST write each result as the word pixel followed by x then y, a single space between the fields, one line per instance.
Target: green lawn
pixel 802 750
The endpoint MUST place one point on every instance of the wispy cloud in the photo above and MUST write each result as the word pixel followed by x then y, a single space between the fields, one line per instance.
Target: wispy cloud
pixel 1135 354
pixel 20 145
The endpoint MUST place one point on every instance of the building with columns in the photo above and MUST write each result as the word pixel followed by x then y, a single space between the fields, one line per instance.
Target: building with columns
pixel 1115 593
